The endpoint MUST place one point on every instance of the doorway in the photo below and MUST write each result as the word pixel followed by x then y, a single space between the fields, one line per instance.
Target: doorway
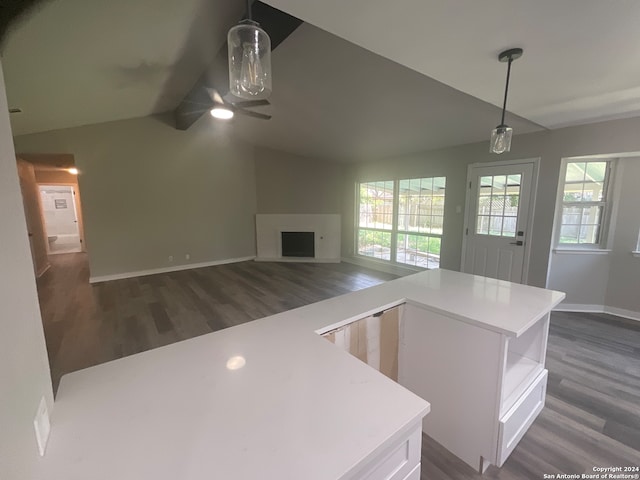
pixel 60 216
pixel 498 219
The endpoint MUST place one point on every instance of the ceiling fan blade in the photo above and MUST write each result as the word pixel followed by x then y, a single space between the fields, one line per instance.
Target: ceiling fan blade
pixel 196 111
pixel 249 113
pixel 279 25
pixel 251 103
pixel 184 118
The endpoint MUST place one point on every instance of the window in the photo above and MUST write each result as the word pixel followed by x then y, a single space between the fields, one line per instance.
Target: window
pixel 584 205
pixel 498 200
pixel 401 221
pixel 375 221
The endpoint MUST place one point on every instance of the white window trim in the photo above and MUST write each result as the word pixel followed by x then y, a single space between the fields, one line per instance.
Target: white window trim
pixel 636 252
pixel 608 214
pixel 582 251
pixel 394 224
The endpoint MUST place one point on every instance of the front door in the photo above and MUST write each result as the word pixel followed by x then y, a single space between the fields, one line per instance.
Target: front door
pixel 498 216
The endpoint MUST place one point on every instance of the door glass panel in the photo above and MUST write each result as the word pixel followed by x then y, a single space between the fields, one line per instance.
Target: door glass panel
pixel 482 227
pixel 495 226
pixel 498 201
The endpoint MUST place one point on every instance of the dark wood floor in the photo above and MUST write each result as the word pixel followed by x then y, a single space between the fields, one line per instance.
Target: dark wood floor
pixel 90 324
pixel 592 413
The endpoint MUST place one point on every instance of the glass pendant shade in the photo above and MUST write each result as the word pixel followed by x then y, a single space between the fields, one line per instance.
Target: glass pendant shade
pixel 249 61
pixel 500 139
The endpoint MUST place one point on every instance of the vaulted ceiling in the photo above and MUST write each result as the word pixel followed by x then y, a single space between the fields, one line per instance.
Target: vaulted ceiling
pixel 359 80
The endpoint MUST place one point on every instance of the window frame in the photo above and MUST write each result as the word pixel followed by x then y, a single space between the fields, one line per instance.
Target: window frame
pixel 395 231
pixel 606 204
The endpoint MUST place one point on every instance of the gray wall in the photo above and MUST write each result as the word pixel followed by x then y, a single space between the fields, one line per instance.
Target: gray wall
pixel 24 368
pixel 150 191
pixel 447 163
pixel 594 281
pixel 287 183
pixel 583 277
pixel 623 288
pixel 600 138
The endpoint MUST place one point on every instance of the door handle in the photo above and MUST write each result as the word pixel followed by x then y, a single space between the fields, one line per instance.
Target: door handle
pixel 519 243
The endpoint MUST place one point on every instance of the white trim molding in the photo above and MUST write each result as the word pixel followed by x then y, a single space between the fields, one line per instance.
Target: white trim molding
pixel 581 251
pixel 620 312
pixel 175 268
pixel 297 260
pixel 578 307
pixel 43 270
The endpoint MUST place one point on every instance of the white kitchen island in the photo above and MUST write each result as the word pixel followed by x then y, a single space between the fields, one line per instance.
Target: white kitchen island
pixel 272 399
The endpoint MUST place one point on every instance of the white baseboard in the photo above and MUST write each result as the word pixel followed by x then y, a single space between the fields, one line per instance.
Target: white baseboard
pixel 620 312
pixel 382 266
pixel 579 307
pixel 297 259
pixel 43 270
pixel 175 268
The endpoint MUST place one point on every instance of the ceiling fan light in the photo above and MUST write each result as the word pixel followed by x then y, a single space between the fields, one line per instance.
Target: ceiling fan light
pixel 249 61
pixel 500 139
pixel 221 113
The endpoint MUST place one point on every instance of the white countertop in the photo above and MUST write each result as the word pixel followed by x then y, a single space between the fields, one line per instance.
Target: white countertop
pixel 496 305
pixel 299 408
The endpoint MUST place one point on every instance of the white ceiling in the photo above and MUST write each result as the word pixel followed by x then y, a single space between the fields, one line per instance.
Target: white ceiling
pixel 75 62
pixel 581 58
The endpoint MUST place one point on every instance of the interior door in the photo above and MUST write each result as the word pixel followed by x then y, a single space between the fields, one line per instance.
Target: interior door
pixel 60 217
pixel 498 221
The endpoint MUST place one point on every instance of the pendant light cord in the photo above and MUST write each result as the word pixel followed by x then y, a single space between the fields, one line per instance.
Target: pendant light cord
pixel 251 18
pixel 506 90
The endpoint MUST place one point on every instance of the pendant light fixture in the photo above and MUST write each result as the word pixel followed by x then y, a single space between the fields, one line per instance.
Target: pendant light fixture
pixel 501 135
pixel 249 59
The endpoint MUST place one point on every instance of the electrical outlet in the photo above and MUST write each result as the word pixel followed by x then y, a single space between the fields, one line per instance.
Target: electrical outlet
pixel 187 256
pixel 171 258
pixel 42 426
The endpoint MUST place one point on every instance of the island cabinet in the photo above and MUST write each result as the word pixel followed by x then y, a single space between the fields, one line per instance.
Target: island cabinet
pixel 271 399
pixel 485 387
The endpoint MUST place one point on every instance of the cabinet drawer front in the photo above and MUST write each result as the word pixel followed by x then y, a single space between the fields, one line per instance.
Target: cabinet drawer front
pixel 398 461
pixel 514 423
pixel 415 474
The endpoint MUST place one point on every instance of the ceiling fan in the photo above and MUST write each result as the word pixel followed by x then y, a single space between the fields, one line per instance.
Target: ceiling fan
pixel 211 91
pixel 220 105
pixel 211 101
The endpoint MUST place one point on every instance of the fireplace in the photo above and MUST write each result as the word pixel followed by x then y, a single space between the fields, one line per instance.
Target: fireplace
pixel 298 244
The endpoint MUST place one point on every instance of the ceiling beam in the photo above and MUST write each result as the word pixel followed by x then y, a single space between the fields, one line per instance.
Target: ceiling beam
pixel 277 24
